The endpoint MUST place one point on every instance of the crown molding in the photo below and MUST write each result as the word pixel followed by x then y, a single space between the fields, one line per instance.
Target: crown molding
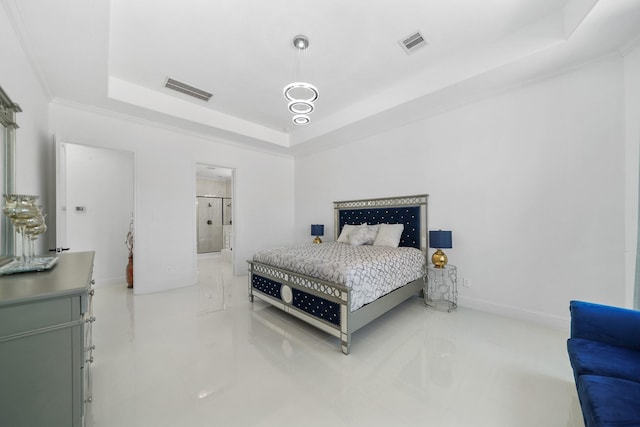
pixel 279 152
pixel 336 139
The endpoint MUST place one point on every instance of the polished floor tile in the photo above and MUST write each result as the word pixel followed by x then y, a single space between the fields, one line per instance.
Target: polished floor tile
pixel 206 356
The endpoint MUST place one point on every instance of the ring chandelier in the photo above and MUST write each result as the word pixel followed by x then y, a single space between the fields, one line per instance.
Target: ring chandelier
pixel 301 95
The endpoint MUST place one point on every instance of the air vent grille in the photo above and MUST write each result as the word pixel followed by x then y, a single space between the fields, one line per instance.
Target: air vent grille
pixel 188 89
pixel 413 42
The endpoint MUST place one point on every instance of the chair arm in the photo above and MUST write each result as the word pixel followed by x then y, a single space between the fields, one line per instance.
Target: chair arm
pixel 611 325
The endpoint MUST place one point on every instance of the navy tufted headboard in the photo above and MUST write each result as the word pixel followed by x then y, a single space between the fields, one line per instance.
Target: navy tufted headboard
pixel 411 211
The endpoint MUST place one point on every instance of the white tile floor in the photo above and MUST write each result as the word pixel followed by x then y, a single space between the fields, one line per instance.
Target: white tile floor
pixel 205 356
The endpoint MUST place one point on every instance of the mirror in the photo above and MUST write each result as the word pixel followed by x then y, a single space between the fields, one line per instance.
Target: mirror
pixel 8 126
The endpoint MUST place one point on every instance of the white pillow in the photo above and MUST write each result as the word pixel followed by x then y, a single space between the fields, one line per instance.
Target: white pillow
pixel 363 235
pixel 389 235
pixel 344 234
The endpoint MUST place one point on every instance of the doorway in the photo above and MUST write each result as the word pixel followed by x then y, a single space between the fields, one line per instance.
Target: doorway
pixel 214 200
pixel 95 206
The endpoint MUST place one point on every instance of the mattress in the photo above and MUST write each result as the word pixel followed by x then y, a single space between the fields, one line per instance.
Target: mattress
pixel 369 271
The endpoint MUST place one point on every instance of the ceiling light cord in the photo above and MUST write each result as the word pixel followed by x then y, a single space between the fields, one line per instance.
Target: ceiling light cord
pixel 296 64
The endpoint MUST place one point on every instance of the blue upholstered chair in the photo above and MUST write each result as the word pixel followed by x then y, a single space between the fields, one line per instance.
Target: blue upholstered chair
pixel 604 350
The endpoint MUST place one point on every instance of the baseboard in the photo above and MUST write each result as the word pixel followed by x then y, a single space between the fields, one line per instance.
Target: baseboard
pixel 546 319
pixel 106 281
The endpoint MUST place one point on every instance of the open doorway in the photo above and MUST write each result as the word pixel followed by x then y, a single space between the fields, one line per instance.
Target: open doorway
pixel 95 206
pixel 214 201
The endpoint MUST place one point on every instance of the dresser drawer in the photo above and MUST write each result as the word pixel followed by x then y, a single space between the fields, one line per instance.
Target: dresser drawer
pixel 31 316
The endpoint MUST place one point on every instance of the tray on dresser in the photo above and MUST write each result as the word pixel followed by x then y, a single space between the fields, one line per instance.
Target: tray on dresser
pixel 35 264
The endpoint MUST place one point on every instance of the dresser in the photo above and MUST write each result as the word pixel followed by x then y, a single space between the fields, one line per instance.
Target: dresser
pixel 46 347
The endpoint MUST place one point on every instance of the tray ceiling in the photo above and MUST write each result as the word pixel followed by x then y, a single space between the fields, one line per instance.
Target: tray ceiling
pixel 117 55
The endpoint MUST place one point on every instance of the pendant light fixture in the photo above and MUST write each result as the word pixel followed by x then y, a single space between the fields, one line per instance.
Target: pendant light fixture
pixel 301 95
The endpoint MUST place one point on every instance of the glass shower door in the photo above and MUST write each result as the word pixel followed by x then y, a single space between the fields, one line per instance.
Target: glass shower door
pixel 209 224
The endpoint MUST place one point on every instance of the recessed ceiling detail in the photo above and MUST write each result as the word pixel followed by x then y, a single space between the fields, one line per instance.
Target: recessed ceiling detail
pixel 474 49
pixel 412 42
pixel 188 89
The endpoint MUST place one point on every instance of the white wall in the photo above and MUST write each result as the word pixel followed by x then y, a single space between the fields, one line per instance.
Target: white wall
pixel 531 182
pixel 101 181
pixel 165 160
pixel 32 138
pixel 632 133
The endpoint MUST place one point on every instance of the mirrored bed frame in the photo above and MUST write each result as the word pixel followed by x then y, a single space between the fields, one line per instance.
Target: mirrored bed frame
pixel 287 290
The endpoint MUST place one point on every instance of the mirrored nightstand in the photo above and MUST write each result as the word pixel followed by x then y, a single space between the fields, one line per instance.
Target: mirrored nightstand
pixel 441 288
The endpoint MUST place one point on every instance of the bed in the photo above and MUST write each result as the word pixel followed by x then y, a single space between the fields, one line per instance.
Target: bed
pixel 325 299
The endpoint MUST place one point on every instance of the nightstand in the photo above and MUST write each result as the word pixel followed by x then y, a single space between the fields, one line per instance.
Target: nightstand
pixel 441 287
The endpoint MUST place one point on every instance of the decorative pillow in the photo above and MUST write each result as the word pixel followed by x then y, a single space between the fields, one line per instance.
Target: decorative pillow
pixel 389 235
pixel 344 234
pixel 363 235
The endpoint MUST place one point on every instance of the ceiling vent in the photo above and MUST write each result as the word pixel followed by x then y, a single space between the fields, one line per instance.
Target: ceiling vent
pixel 412 42
pixel 188 89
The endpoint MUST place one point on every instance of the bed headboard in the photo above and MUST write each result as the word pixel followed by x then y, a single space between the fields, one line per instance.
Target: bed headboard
pixel 408 210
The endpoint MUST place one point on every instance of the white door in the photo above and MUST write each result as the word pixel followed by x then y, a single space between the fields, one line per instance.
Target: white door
pixel 58 215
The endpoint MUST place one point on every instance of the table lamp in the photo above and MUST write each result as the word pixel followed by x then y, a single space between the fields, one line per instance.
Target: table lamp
pixel 317 230
pixel 439 240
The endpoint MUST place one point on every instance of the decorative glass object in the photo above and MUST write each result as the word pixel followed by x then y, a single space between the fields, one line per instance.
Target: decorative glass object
pixel 34 229
pixel 29 222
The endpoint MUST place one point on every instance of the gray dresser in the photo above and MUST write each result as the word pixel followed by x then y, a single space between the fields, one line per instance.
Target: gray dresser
pixel 46 346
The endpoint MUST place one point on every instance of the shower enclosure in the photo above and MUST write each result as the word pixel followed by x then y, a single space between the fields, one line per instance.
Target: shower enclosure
pixel 210 221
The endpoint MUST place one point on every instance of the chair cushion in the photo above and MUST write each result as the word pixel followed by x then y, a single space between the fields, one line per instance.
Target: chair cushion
pixel 593 357
pixel 609 401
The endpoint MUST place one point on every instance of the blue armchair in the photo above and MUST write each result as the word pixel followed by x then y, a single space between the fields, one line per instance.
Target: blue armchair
pixel 604 350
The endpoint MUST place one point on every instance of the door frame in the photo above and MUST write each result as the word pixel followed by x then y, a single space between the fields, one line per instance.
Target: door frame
pixel 232 180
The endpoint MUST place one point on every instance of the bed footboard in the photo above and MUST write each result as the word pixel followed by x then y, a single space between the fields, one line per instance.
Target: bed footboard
pixel 322 304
